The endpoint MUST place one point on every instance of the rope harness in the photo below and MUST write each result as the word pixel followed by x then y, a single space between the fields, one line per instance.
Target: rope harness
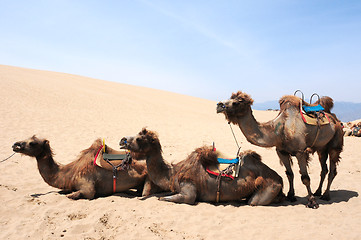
pixel 229 169
pixel 124 165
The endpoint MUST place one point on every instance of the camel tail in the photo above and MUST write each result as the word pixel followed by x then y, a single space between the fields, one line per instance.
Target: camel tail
pixel 206 156
pixel 326 102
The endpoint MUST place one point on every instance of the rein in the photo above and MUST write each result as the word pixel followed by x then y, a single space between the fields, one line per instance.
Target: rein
pixel 7 158
pixel 228 170
pixel 234 136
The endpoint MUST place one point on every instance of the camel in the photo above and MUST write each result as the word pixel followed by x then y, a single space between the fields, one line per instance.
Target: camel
pixel 190 182
pixel 81 178
pixel 291 137
pixel 352 128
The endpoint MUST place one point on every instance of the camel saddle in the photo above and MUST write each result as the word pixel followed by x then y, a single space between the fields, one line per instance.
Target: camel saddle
pixel 110 161
pixel 227 167
pixel 312 115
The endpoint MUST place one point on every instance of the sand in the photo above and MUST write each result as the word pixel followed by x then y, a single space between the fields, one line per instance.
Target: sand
pixel 72 111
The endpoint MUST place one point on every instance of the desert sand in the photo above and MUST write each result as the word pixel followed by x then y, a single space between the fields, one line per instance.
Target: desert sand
pixel 72 111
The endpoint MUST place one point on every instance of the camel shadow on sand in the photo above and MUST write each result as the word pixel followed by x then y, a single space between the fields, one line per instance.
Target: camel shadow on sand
pixel 127 194
pixel 337 196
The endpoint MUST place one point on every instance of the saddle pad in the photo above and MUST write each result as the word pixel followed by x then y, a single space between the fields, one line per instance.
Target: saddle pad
pixel 116 159
pixel 317 108
pixel 313 121
pixel 227 160
pixel 216 171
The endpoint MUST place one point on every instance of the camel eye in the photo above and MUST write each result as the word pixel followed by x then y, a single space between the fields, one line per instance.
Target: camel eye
pixel 33 144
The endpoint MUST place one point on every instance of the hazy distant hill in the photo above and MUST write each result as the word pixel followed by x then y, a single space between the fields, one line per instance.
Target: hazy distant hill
pixel 345 111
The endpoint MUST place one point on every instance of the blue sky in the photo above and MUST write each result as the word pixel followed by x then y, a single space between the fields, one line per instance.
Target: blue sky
pixel 206 49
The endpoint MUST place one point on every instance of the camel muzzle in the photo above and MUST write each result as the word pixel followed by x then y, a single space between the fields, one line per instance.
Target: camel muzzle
pixel 17 147
pixel 124 143
pixel 221 107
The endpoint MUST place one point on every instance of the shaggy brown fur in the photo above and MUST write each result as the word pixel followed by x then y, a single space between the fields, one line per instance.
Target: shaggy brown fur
pixel 291 136
pixel 193 168
pixel 190 181
pixel 326 102
pixel 81 177
pixel 241 96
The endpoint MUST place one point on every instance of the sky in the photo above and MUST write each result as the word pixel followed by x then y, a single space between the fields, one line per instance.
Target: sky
pixel 206 49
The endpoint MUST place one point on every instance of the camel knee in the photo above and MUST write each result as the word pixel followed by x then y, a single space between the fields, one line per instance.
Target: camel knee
pixel 87 190
pixel 324 171
pixel 180 198
pixel 305 180
pixel 188 194
pixel 75 195
pixel 332 174
pixel 266 195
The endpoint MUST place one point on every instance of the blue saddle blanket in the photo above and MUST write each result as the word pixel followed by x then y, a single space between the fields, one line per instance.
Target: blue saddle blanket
pixel 228 161
pixel 313 108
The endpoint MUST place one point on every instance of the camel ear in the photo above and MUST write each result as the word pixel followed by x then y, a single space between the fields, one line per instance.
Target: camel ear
pixel 144 131
pixel 46 143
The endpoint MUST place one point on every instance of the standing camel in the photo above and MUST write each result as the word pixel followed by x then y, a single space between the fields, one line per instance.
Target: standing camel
pixel 291 137
pixel 190 181
pixel 81 178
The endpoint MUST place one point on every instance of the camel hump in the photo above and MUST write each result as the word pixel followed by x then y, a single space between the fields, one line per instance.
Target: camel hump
pixel 249 153
pixel 206 156
pixel 292 100
pixel 326 102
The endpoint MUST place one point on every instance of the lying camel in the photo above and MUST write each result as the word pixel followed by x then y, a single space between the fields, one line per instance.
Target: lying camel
pixel 291 137
pixel 190 181
pixel 81 178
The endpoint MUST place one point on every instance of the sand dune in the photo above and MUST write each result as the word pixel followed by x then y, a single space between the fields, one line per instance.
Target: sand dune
pixel 72 111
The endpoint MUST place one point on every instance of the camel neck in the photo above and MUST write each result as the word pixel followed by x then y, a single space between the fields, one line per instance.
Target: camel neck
pixel 260 134
pixel 49 170
pixel 158 170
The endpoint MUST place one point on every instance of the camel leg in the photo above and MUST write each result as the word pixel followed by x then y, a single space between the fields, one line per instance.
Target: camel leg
pixel 86 191
pixel 149 188
pixel 75 195
pixel 302 162
pixel 286 160
pixel 266 195
pixel 188 194
pixel 322 155
pixel 334 158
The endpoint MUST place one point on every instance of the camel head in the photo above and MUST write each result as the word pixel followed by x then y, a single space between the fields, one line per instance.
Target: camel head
pixel 144 142
pixel 32 147
pixel 237 106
